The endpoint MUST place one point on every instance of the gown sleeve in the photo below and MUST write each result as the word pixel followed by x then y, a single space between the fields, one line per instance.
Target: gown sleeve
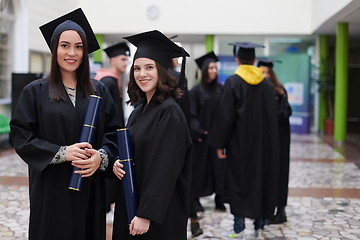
pixel 167 159
pixel 36 152
pixel 111 122
pixel 195 127
pixel 284 109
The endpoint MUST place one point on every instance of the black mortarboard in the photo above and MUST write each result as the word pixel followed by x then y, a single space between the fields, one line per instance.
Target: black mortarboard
pixel 75 20
pixel 246 50
pixel 206 59
pixel 118 49
pixel 267 62
pixel 156 46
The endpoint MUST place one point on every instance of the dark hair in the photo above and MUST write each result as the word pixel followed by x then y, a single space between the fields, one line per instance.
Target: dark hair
pixel 246 62
pixel 56 89
pixel 278 88
pixel 167 86
pixel 205 85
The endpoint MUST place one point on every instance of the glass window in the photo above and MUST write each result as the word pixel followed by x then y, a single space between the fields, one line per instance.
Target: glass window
pixel 4 63
pixel 6 30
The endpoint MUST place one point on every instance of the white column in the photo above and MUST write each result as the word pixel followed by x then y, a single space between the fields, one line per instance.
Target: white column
pixel 20 57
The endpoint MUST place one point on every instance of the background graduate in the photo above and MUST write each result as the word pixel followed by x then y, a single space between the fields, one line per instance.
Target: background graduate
pixel 45 129
pixel 111 77
pixel 246 125
pixel 161 145
pixel 284 112
pixel 209 171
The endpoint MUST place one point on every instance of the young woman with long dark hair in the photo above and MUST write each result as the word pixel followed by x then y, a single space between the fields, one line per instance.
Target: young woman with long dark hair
pixel 45 130
pixel 161 145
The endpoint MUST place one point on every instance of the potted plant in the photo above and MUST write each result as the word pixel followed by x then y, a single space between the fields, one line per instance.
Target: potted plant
pixel 326 84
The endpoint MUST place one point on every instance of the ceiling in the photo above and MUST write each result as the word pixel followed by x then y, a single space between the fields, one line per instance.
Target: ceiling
pixel 350 14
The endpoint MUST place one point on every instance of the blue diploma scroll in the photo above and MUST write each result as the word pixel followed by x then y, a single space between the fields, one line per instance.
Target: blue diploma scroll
pixel 87 135
pixel 128 181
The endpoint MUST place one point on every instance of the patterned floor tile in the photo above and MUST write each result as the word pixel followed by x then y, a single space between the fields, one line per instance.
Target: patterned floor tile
pixel 316 167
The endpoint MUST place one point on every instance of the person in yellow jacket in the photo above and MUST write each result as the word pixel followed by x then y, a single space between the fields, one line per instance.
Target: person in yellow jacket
pixel 245 131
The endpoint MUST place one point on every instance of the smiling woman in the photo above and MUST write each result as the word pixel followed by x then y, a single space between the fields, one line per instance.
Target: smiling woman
pixel 146 76
pixel 68 66
pixel 161 145
pixel 45 129
pixel 69 56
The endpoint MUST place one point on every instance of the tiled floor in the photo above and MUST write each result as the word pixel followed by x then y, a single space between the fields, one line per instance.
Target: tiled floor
pixel 324 195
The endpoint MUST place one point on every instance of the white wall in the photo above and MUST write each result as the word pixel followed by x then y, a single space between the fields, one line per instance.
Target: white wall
pixel 20 47
pixel 201 16
pixel 41 12
pixel 226 17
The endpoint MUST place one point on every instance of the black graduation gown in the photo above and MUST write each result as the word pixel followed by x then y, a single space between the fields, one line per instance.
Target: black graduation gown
pixel 111 182
pixel 284 112
pixel 112 85
pixel 247 126
pixel 208 170
pixel 161 146
pixel 38 128
pixel 184 101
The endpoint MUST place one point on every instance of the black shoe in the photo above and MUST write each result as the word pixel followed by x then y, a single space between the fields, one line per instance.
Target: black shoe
pixel 220 207
pixel 219 204
pixel 195 229
pixel 198 207
pixel 279 218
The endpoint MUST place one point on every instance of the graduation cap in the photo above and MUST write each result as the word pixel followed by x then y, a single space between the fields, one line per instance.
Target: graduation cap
pixel 118 49
pixel 267 62
pixel 206 59
pixel 75 20
pixel 156 46
pixel 246 50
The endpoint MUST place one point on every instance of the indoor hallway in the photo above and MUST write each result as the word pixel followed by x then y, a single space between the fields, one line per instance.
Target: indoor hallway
pixel 323 203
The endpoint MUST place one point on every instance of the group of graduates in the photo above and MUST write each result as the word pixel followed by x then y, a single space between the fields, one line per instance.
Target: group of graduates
pixel 241 137
pixel 186 144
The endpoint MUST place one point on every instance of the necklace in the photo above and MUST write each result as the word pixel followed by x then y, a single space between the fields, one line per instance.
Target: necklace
pixel 69 88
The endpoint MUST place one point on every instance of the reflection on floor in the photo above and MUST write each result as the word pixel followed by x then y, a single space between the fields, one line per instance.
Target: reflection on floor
pixel 324 195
